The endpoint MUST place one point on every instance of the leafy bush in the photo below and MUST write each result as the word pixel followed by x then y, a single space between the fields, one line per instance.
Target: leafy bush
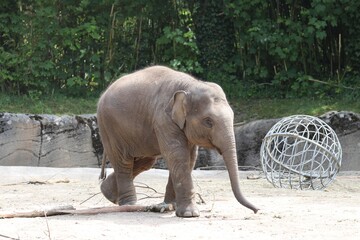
pixel 252 48
pixel 283 43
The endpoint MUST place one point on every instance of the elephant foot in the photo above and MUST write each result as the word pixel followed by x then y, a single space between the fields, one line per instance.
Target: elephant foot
pixel 161 207
pixel 128 200
pixel 186 211
pixel 110 189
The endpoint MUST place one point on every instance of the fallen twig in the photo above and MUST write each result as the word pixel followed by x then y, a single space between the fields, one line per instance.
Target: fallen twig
pixel 36 182
pixel 38 213
pixel 111 209
pixel 202 201
pixel 7 237
pixel 48 228
pixel 146 187
pixel 90 197
pixel 89 211
pixel 332 84
pixel 148 197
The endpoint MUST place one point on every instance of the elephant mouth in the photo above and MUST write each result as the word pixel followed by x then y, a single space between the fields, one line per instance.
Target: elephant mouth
pixel 213 146
pixel 219 151
pixel 209 145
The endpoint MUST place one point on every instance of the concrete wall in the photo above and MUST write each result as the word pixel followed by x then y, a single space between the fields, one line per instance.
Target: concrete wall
pixel 73 141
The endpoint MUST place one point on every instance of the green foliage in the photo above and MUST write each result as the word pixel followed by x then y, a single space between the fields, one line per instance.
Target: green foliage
pixel 181 50
pixel 282 43
pixel 48 50
pixel 215 38
pixel 252 48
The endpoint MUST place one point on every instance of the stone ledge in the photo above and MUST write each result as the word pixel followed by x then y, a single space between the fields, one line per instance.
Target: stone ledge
pixel 73 141
pixel 47 141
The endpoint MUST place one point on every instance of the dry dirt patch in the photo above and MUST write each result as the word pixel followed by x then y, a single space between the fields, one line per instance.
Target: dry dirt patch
pixel 285 214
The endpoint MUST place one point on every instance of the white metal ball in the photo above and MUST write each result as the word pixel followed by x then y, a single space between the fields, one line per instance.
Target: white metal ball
pixel 301 152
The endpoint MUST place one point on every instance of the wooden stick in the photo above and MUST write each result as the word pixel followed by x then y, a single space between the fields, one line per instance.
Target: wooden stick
pixel 38 213
pixel 112 209
pixel 62 210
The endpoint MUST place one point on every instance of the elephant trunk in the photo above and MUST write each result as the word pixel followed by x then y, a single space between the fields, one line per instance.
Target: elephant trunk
pixel 228 151
pixel 232 166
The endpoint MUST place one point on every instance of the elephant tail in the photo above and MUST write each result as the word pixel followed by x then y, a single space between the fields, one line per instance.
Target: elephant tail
pixel 103 172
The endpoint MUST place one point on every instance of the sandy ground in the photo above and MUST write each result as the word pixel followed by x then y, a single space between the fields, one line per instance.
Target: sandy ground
pixel 285 214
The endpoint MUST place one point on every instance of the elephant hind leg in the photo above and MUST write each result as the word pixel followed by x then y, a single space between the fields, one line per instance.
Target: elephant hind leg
pixel 109 186
pixel 119 188
pixel 142 164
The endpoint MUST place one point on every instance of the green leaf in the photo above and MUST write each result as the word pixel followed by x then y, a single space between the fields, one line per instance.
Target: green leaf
pixel 320 35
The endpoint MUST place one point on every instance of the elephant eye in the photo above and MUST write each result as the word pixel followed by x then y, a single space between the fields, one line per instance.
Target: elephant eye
pixel 208 122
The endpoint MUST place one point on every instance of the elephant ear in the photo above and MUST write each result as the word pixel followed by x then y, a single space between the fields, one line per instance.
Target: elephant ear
pixel 177 108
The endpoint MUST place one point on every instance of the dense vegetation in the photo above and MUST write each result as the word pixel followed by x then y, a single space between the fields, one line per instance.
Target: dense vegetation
pixel 253 48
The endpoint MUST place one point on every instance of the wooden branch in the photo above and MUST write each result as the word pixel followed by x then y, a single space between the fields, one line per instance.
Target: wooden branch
pixel 63 210
pixel 38 213
pixel 112 209
pixel 332 84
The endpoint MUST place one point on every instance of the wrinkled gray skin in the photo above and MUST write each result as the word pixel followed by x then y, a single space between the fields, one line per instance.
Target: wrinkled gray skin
pixel 159 111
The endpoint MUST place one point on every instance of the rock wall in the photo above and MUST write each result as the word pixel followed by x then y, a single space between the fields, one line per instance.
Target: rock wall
pixel 48 141
pixel 347 127
pixel 73 141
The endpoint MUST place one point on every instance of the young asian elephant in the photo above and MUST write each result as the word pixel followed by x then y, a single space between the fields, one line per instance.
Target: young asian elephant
pixel 159 111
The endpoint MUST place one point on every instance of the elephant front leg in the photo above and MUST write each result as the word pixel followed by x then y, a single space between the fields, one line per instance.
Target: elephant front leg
pixel 180 186
pixel 179 155
pixel 179 197
pixel 169 203
pixel 184 194
pixel 170 192
pixel 170 196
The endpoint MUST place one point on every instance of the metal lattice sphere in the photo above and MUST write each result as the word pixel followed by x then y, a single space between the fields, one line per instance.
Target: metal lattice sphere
pixel 301 152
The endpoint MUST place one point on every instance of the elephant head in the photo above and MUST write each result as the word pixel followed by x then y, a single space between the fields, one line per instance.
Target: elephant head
pixel 206 118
